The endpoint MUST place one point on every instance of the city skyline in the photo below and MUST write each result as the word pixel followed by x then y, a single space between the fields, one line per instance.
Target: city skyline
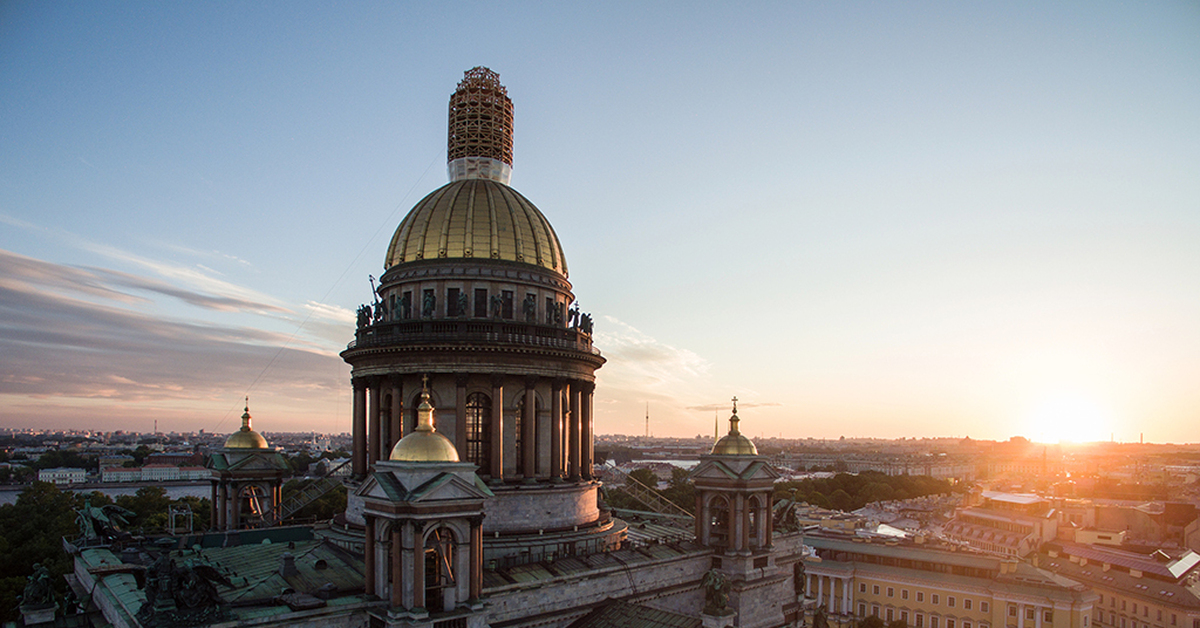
pixel 878 220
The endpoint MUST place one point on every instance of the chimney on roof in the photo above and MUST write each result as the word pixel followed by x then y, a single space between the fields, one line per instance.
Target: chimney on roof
pixel 289 565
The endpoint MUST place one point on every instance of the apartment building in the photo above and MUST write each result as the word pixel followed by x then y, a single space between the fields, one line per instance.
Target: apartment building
pixel 935 587
pixel 1156 590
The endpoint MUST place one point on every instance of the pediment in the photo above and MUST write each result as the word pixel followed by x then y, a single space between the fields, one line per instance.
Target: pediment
pixel 371 488
pixel 744 468
pixel 449 487
pixel 258 462
pixel 445 486
pixel 712 470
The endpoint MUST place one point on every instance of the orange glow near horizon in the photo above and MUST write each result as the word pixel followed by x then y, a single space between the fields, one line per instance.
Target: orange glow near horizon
pixel 1068 416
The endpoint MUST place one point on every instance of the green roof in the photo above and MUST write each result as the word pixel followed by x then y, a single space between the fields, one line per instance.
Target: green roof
pixel 618 614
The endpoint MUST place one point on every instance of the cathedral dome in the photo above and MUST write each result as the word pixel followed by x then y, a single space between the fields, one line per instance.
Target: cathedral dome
pixel 246 438
pixel 476 218
pixel 734 443
pixel 424 444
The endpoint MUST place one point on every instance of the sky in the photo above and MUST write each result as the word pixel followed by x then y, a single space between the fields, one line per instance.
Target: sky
pixel 893 219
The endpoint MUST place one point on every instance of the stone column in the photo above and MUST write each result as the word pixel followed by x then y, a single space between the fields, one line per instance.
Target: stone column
pixel 1020 616
pixel 418 566
pixel 586 452
pixel 556 429
pixel 497 430
pixel 395 422
pixel 743 533
pixel 476 558
pixel 212 511
pixel 832 588
pixel 1037 617
pixel 397 590
pixel 820 588
pixel 528 431
pixel 222 505
pixel 460 416
pixel 376 422
pixel 847 602
pixel 770 541
pixel 573 433
pixel 731 523
pixel 701 522
pixel 236 514
pixel 358 458
pixel 369 556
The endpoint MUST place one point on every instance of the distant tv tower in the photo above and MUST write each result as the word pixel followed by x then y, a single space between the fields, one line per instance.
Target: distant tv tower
pixel 647 419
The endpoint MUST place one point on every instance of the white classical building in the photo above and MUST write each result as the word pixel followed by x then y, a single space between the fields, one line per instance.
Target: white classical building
pixel 62 475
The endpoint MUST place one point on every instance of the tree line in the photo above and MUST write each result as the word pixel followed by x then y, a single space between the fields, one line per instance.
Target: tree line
pixel 844 491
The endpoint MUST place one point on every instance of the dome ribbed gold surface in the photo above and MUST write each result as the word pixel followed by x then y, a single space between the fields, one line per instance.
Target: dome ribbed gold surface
pixel 424 447
pixel 246 438
pixel 733 443
pixel 476 219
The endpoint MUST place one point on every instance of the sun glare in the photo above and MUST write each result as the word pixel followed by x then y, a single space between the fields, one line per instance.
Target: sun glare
pixel 1068 417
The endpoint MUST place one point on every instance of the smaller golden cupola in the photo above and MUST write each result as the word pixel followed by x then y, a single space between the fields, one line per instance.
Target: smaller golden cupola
pixel 734 443
pixel 424 444
pixel 246 438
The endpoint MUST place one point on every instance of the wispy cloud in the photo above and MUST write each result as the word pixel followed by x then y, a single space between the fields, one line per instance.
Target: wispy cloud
pixel 712 407
pixel 57 344
pixel 202 254
pixel 639 361
pixel 189 276
pixel 222 303
pixel 329 312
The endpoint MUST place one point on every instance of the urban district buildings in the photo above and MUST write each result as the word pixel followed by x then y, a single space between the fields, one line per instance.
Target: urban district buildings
pixel 472 500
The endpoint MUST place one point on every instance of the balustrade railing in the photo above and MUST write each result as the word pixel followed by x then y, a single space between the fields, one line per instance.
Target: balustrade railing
pixel 490 332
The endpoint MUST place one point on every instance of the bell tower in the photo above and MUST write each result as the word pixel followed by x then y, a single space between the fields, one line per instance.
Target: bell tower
pixel 423 510
pixel 734 485
pixel 247 479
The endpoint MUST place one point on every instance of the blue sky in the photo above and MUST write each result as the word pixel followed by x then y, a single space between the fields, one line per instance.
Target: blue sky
pixel 863 219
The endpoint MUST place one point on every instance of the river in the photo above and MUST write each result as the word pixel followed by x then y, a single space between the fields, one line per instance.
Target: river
pixel 8 495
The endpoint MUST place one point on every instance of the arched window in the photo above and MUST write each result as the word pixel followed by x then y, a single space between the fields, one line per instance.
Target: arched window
pixel 478 425
pixel 752 508
pixel 718 522
pixel 439 570
pixel 254 502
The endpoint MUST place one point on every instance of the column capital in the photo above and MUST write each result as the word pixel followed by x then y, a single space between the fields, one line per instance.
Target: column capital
pixel 460 380
pixel 497 380
pixel 359 383
pixel 558 384
pixel 587 387
pixel 531 381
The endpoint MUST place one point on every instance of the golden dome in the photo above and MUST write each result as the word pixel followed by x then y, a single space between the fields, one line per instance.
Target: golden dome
pixel 476 219
pixel 246 438
pixel 733 443
pixel 424 444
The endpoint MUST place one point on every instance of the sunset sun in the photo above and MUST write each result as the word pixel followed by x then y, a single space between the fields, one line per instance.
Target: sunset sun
pixel 1068 416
